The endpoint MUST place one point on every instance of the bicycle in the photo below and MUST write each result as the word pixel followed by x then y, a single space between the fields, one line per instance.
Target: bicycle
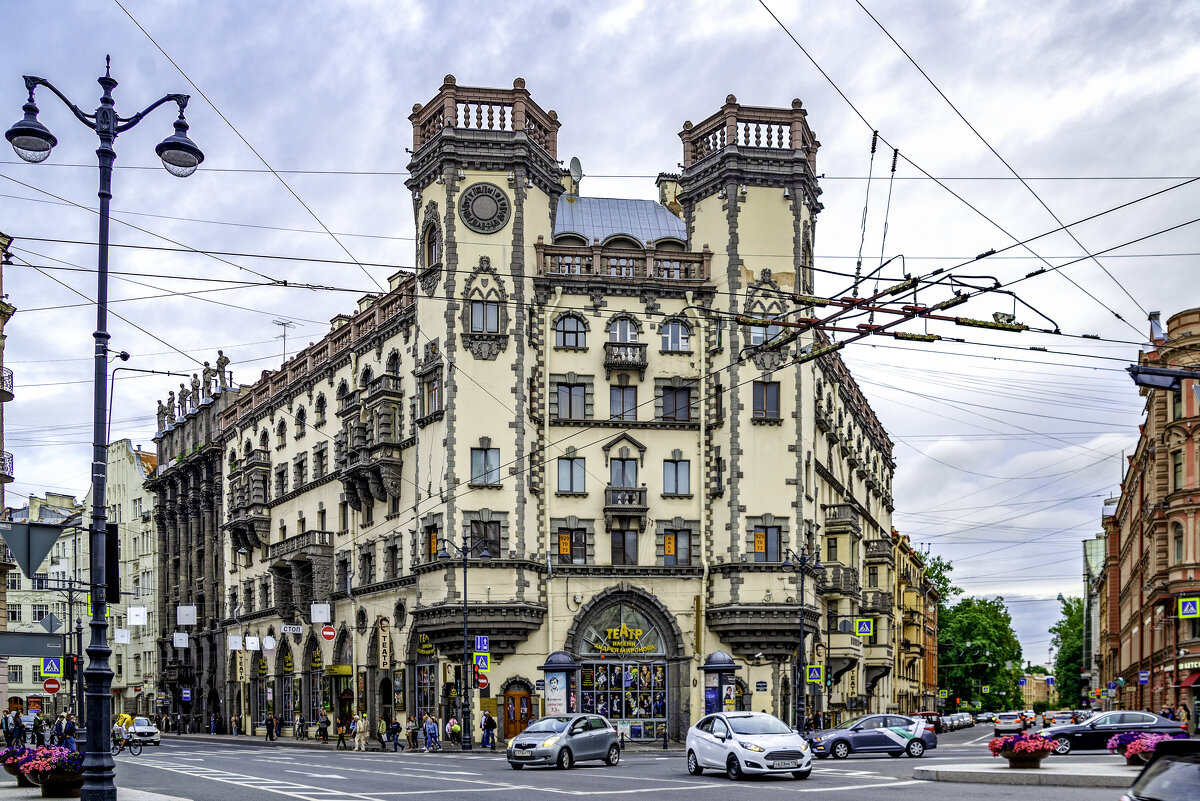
pixel 301 731
pixel 119 745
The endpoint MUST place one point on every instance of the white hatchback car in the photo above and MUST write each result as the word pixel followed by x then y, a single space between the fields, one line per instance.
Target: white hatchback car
pixel 747 742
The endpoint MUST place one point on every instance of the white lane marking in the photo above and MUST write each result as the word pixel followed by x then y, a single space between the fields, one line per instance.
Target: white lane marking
pixel 840 788
pixel 315 775
pixel 303 792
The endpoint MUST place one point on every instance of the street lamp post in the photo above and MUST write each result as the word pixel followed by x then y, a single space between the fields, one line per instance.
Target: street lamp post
pixel 33 142
pixel 465 551
pixel 804 561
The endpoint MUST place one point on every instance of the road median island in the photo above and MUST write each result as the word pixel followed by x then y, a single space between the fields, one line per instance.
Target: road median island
pixel 1048 775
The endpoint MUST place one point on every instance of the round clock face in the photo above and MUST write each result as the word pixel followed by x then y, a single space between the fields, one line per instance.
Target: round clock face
pixel 484 208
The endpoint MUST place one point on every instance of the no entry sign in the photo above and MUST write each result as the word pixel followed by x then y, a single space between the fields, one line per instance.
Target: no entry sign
pixel 51 686
pixel 328 633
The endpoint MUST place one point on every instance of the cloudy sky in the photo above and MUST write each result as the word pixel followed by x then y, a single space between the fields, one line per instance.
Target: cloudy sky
pixel 1004 453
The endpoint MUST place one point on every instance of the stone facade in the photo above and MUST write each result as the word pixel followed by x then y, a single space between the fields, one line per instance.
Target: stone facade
pixel 587 389
pixel 1152 543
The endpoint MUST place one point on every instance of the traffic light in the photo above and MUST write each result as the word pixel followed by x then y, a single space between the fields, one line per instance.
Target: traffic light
pixel 475 677
pixel 70 666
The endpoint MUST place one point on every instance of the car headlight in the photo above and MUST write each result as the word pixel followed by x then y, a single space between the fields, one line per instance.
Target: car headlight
pixel 510 742
pixel 549 741
pixel 818 739
pixel 751 746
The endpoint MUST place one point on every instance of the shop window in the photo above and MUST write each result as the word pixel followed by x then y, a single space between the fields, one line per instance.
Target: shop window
pixel 624 547
pixel 677 477
pixel 570 332
pixel 676 337
pixel 766 544
pixel 572 546
pixel 622 403
pixel 676 404
pixel 485 466
pixel 571 475
pixel 766 400
pixel 485 317
pixel 485 532
pixel 572 401
pixel 677 547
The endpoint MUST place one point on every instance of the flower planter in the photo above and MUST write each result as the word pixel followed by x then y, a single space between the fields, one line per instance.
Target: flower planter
pixel 1025 759
pixel 1136 760
pixel 22 779
pixel 57 783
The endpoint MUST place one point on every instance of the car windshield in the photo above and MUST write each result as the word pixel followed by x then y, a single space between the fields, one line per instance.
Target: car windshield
pixel 764 724
pixel 553 725
pixel 141 722
pixel 1169 780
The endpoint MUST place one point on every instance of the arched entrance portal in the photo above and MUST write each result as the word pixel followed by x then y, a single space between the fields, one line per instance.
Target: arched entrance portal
pixel 632 671
pixel 385 698
pixel 517 712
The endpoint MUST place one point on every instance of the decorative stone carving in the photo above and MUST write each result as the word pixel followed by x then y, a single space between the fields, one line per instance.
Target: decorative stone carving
pixel 375 484
pixel 162 413
pixel 484 208
pixel 392 479
pixel 429 274
pixel 351 493
pixel 206 377
pixel 223 376
pixel 484 285
pixel 183 400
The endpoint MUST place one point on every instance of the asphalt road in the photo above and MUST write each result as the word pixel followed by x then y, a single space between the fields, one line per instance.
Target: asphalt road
pixel 224 769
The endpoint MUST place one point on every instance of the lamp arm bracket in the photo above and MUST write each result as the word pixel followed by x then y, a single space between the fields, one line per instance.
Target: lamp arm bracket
pixel 32 81
pixel 125 123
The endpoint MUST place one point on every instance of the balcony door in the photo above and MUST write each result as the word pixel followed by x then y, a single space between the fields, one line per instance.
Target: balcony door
pixel 623 473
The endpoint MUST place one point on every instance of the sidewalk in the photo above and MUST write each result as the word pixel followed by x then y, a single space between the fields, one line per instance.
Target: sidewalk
pixel 1049 775
pixel 10 792
pixel 630 747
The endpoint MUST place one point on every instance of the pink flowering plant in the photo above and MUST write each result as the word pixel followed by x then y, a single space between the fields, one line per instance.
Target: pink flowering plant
pixel 1023 743
pixel 1147 743
pixel 14 754
pixel 51 758
pixel 1119 742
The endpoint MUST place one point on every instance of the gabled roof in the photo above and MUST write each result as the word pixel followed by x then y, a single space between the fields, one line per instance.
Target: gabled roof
pixel 602 217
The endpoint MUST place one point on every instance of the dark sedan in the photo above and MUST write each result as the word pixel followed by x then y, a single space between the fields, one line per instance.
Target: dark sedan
pixel 1095 732
pixel 891 734
pixel 1172 775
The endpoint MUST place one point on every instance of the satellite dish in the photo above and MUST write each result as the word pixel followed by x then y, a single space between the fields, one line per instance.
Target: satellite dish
pixel 576 172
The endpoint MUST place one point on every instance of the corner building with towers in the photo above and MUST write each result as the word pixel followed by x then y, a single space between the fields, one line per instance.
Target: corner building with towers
pixel 589 390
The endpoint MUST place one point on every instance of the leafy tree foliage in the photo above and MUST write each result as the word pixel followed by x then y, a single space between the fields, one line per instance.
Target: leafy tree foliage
pixel 978 648
pixel 1037 670
pixel 938 571
pixel 1068 642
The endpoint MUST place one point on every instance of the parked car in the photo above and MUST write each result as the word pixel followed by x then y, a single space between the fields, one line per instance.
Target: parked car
pixel 1061 717
pixel 1172 775
pixel 890 734
pixel 1095 732
pixel 983 717
pixel 934 720
pixel 563 740
pixel 747 742
pixel 145 732
pixel 1009 723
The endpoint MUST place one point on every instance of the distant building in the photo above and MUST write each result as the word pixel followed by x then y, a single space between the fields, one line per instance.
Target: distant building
pixel 1038 689
pixel 1147 649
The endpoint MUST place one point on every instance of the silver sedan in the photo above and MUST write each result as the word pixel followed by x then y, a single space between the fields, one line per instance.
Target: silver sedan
pixel 563 740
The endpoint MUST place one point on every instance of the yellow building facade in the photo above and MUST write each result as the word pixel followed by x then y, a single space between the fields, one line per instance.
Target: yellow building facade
pixel 591 392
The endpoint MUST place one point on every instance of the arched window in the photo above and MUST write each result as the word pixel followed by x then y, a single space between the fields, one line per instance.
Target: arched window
pixel 764 334
pixel 433 250
pixel 264 441
pixel 366 377
pixel 281 434
pixel 248 449
pixel 676 337
pixel 301 420
pixel 232 459
pixel 622 330
pixel 393 363
pixel 1178 549
pixel 570 332
pixel 320 408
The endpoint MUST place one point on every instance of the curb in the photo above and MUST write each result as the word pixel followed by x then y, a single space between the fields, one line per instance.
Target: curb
pixel 1042 777
pixel 288 742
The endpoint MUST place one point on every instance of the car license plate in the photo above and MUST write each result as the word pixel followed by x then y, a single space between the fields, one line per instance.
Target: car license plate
pixel 786 763
pixel 522 753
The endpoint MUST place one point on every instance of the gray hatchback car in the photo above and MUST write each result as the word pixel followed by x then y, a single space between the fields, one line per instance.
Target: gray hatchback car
pixel 563 740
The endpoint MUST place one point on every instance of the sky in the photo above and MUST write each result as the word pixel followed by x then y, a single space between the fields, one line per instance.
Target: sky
pixel 1004 454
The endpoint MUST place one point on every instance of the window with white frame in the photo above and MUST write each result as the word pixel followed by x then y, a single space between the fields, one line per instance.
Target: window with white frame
pixel 676 337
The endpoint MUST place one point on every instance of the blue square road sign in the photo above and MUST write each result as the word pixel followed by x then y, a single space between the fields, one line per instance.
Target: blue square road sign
pixel 481 642
pixel 51 666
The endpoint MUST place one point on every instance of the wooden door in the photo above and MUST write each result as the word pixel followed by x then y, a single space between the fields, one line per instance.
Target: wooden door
pixel 518 712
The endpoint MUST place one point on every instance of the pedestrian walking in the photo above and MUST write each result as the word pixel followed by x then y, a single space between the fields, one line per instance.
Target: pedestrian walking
pixel 396 731
pixel 323 729
pixel 70 732
pixel 7 724
pixel 233 724
pixel 381 731
pixel 270 727
pixel 19 731
pixel 410 729
pixel 432 742
pixel 362 730
pixel 341 733
pixel 212 723
pixel 488 725
pixel 56 731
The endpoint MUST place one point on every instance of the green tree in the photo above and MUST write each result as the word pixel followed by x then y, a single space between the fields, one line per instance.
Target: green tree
pixel 978 648
pixel 1067 640
pixel 1036 670
pixel 937 571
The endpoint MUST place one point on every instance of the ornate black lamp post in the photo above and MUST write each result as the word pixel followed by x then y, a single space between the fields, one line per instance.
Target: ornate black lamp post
pixel 802 562
pixel 33 143
pixel 468 663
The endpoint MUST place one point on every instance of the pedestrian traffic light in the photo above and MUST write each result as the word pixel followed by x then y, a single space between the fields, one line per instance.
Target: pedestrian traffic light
pixel 70 665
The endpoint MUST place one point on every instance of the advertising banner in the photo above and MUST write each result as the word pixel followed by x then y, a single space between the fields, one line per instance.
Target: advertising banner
pixel 556 693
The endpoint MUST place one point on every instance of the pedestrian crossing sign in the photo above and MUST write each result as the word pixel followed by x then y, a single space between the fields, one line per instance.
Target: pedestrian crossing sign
pixel 1189 607
pixel 986 689
pixel 483 661
pixel 52 666
pixel 864 626
pixel 943 693
pixel 815 673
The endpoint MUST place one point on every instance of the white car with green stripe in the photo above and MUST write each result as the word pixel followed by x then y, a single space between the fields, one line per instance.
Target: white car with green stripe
pixel 893 735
